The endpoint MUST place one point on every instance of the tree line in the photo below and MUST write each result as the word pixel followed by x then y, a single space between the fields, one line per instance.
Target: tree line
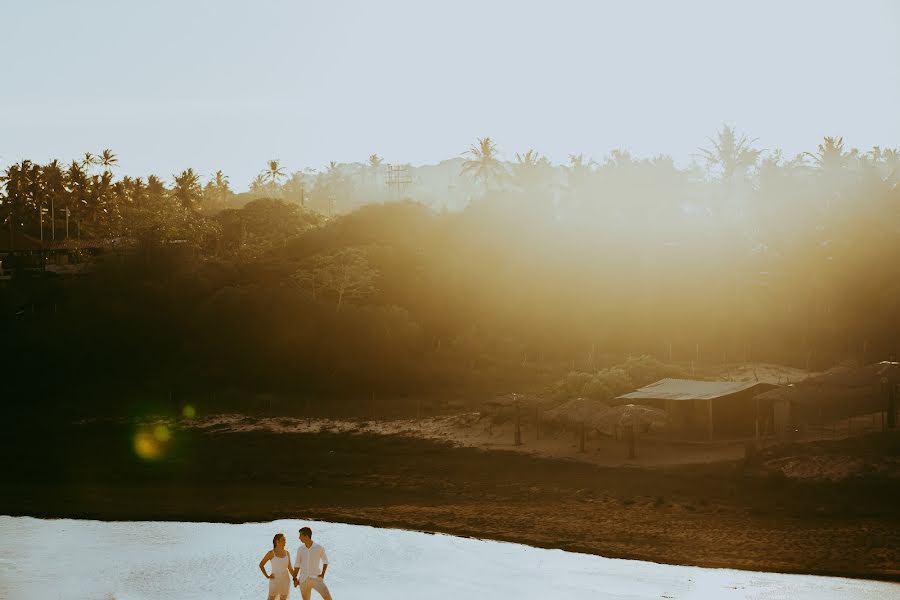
pixel 744 255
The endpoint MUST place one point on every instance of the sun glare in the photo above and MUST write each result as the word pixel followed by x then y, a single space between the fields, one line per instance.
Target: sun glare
pixel 146 446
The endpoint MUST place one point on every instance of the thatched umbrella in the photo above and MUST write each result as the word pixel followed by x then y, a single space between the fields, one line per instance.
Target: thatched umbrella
pixel 578 412
pixel 629 415
pixel 511 400
pixel 575 411
pixel 516 402
pixel 889 372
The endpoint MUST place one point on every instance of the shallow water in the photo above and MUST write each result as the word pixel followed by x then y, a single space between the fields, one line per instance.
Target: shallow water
pixel 90 560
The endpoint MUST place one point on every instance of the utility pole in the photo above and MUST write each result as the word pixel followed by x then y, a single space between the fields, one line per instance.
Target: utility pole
pixel 397 179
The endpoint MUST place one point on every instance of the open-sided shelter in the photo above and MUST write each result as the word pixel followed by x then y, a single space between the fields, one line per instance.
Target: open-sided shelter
pixel 704 408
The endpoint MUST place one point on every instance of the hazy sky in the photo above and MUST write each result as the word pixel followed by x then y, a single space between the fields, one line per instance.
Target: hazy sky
pixel 229 84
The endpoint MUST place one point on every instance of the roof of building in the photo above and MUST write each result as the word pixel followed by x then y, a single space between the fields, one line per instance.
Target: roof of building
pixel 689 389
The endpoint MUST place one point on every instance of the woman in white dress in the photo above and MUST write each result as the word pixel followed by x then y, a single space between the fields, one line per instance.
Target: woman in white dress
pixel 280 579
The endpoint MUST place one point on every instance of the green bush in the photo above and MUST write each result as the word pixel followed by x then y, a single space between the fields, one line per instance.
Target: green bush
pixel 646 369
pixel 576 381
pixel 606 384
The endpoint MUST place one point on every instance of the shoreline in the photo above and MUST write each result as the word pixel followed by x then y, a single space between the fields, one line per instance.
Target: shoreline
pixel 521 540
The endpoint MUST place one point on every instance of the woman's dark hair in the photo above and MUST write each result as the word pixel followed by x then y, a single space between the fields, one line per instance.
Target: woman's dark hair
pixel 275 539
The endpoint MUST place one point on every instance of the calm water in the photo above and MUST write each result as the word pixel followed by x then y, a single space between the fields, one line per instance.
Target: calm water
pixel 90 560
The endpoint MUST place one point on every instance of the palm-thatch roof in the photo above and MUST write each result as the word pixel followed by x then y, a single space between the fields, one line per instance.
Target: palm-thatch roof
pixel 575 412
pixel 511 399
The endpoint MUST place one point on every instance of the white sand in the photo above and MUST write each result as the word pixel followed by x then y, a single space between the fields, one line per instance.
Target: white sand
pixel 89 560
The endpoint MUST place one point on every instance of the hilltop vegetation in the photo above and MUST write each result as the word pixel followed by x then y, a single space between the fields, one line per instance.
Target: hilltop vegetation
pixel 548 269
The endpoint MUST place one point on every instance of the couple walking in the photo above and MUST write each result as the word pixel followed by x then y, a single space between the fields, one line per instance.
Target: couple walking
pixel 308 573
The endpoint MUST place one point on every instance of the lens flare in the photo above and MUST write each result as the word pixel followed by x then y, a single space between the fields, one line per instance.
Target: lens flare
pixel 162 434
pixel 146 446
pixel 189 412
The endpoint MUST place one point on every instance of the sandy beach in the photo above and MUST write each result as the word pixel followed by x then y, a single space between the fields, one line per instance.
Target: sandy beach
pixel 718 514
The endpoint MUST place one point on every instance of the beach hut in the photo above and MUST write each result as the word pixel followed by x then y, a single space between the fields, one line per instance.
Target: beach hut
pixel 704 408
pixel 841 393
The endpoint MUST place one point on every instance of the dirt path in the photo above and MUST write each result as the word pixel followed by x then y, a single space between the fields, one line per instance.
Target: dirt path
pixel 471 430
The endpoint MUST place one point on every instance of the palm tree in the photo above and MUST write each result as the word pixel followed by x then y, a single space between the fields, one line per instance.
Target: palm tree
pixel 483 163
pixel 77 184
pixel 334 185
pixel 88 161
pixel 733 154
pixel 55 184
pixel 137 201
pixel 99 203
pixel 579 172
pixel 830 155
pixel 258 185
pixel 107 159
pixel 374 164
pixel 14 183
pixel 187 190
pixel 294 189
pixel 156 190
pixel 138 191
pixel 220 181
pixel 34 191
pixel 218 189
pixel 273 174
pixel 529 169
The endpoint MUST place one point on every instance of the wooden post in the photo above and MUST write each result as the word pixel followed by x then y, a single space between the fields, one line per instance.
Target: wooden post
pixel 757 421
pixel 892 389
pixel 517 438
pixel 630 435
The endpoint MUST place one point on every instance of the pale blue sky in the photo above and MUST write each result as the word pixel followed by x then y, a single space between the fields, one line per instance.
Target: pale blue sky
pixel 227 84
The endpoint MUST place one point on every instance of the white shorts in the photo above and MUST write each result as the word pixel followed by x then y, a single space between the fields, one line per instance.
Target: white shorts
pixel 314 583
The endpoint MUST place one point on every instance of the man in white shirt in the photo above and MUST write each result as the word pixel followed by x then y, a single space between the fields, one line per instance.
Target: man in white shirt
pixel 308 574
